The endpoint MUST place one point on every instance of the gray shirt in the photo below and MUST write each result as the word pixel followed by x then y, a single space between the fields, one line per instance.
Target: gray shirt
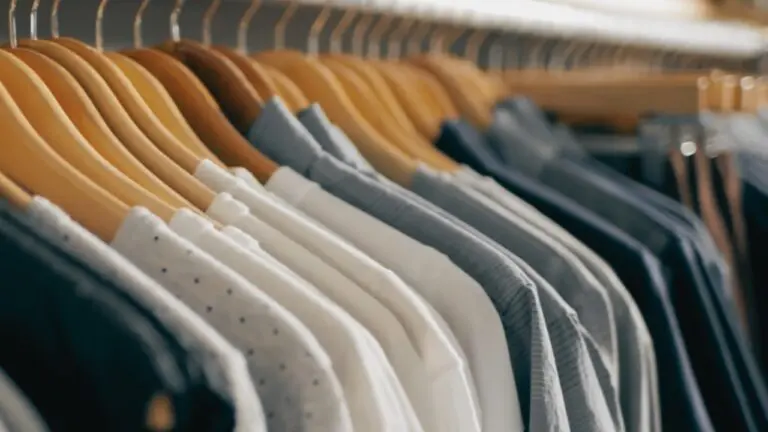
pixel 280 136
pixel 584 366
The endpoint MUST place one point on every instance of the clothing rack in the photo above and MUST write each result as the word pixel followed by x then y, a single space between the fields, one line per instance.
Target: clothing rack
pixel 520 27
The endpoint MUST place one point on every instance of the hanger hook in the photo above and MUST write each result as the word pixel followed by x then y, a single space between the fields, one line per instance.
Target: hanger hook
pixel 558 59
pixel 341 27
pixel 12 24
pixel 313 39
pixel 359 32
pixel 436 37
pixel 208 16
pixel 450 36
pixel 416 39
pixel 33 19
pixel 377 33
pixel 175 14
pixel 282 23
pixel 138 20
pixel 100 25
pixel 245 23
pixel 474 42
pixel 55 18
pixel 496 54
pixel 395 44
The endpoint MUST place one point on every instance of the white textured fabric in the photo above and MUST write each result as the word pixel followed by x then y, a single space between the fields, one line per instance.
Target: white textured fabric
pixel 388 396
pixel 429 367
pixel 224 366
pixel 638 386
pixel 342 337
pixel 353 299
pixel 457 297
pixel 292 373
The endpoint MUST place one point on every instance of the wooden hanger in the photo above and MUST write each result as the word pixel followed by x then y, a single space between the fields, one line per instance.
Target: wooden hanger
pixel 15 195
pixel 200 108
pixel 366 69
pixel 460 87
pixel 29 162
pixel 51 122
pixel 238 98
pixel 85 116
pixel 320 85
pixel 261 81
pixel 162 105
pixel 120 121
pixel 287 90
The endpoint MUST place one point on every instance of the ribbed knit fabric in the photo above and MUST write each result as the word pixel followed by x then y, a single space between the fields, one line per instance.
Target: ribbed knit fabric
pixel 223 365
pixel 583 394
pixel 636 356
pixel 291 371
pixel 282 138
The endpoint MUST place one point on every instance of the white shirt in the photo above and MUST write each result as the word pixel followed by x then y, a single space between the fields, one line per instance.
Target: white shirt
pixel 429 367
pixel 638 376
pixel 363 307
pixel 224 366
pixel 459 299
pixel 292 373
pixel 345 340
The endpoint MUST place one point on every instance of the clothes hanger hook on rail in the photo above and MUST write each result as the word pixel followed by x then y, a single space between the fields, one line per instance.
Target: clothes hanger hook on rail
pixel 340 28
pixel 208 16
pixel 175 14
pixel 244 25
pixel 415 41
pixel 374 39
pixel 476 39
pixel 55 18
pixel 33 19
pixel 12 36
pixel 138 20
pixel 395 43
pixel 313 38
pixel 282 23
pixel 100 25
pixel 359 33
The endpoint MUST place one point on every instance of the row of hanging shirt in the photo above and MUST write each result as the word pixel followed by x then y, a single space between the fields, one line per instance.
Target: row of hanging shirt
pixel 307 291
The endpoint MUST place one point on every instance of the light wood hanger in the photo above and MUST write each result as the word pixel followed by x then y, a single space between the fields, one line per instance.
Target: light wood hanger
pixel 370 106
pixel 199 107
pixel 120 121
pixel 51 122
pixel 15 195
pixel 85 116
pixel 236 96
pixel 261 81
pixel 287 90
pixel 463 92
pixel 162 105
pixel 29 162
pixel 367 71
pixel 319 84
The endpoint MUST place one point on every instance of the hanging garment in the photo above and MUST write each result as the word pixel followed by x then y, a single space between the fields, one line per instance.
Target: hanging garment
pixel 278 134
pixel 454 295
pixel 639 270
pixel 85 358
pixel 291 371
pixel 17 414
pixel 223 366
pixel 441 364
pixel 636 356
pixel 347 343
pixel 718 363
